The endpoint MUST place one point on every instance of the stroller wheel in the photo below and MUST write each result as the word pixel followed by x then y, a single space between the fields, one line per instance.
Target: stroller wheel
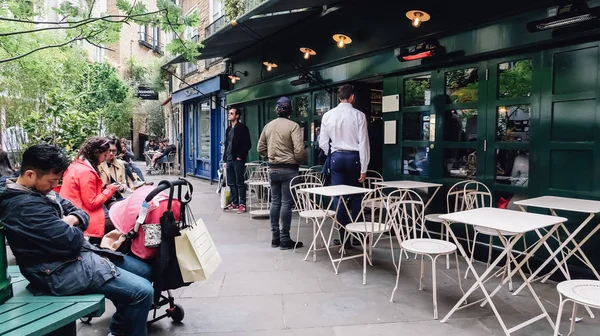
pixel 176 313
pixel 86 320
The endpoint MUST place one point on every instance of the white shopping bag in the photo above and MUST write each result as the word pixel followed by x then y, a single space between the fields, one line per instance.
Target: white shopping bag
pixel 196 253
pixel 225 197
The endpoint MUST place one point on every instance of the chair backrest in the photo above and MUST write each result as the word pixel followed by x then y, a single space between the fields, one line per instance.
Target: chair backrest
pixel 373 210
pixel 477 195
pixel 302 200
pixel 373 173
pixel 406 210
pixel 369 182
pixel 260 174
pixel 454 199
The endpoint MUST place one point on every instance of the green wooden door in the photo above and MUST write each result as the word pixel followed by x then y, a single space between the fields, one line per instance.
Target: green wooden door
pixel 460 100
pixel 512 108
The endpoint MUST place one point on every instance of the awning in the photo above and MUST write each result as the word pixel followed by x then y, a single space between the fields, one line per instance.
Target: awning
pixel 266 19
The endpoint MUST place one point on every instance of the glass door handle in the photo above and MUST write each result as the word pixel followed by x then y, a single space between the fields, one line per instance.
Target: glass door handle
pixel 485 145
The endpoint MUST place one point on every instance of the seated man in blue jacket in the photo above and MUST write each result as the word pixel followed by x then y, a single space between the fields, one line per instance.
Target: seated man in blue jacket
pixel 45 233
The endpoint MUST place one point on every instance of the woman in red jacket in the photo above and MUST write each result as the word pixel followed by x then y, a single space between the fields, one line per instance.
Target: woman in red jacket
pixel 83 187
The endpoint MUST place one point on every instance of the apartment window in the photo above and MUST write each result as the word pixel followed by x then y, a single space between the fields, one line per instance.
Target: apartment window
pixel 189 67
pixel 156 35
pixel 144 33
pixel 216 10
pixel 191 33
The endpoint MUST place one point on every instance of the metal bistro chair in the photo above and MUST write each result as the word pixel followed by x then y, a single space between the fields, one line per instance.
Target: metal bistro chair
pixel 580 292
pixel 309 206
pixel 372 219
pixel 406 216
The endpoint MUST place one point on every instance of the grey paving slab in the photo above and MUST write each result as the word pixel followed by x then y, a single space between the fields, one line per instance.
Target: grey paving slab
pixel 463 327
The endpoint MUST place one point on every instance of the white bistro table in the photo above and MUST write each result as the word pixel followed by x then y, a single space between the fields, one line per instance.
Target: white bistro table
pixel 501 220
pixel 412 185
pixel 566 204
pixel 332 192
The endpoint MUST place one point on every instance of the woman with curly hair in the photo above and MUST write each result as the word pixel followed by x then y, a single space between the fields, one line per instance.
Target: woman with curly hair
pixel 83 187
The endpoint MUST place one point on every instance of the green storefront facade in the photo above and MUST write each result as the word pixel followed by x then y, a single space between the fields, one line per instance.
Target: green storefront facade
pixel 515 110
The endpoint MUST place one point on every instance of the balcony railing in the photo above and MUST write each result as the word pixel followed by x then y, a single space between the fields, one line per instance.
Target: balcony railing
pixel 212 28
pixel 150 42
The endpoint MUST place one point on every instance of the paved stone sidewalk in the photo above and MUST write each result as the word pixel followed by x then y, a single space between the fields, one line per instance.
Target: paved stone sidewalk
pixel 262 291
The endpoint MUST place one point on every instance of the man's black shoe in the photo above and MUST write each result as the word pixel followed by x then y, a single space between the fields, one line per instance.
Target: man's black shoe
pixel 290 244
pixel 275 243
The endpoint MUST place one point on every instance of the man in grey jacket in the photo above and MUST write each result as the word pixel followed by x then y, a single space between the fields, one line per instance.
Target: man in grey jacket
pixel 281 141
pixel 45 233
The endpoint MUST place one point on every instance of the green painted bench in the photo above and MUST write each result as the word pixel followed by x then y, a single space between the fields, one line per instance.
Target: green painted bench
pixel 27 314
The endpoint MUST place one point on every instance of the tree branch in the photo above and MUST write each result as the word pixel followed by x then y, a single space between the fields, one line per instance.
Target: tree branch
pixel 77 24
pixel 97 45
pixel 41 48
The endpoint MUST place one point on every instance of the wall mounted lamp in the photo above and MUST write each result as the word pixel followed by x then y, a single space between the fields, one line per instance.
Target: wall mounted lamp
pixel 270 65
pixel 234 78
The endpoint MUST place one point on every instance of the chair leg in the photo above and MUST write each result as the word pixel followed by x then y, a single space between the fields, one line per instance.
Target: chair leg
pixel 561 306
pixel 508 262
pixel 447 239
pixel 434 284
pixel 422 274
pixel 397 274
pixel 489 260
pixel 573 319
pixel 297 232
pixel 458 272
pixel 472 255
pixel 365 251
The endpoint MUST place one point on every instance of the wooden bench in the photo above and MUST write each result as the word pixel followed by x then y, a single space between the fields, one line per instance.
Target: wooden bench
pixel 27 314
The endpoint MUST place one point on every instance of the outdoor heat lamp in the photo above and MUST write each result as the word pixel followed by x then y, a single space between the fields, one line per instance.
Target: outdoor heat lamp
pixel 420 51
pixel 566 15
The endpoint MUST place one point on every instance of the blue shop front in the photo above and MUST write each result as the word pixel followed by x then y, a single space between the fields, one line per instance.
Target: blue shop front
pixel 204 124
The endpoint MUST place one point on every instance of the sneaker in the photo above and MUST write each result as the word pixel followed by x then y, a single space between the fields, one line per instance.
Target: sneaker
pixel 290 244
pixel 231 206
pixel 241 209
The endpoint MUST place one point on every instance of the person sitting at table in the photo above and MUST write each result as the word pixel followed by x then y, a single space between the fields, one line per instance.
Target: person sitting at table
pixel 163 156
pixel 150 146
pixel 83 186
pixel 125 154
pixel 45 233
pixel 112 171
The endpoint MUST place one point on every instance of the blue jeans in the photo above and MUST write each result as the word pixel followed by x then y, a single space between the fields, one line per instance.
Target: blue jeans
pixel 133 168
pixel 281 201
pixel 345 169
pixel 132 294
pixel 235 181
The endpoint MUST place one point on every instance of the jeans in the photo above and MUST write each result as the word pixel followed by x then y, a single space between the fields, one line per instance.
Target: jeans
pixel 235 181
pixel 345 169
pixel 130 168
pixel 281 201
pixel 132 294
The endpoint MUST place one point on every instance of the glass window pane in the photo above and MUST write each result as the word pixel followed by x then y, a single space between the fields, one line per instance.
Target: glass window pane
pixel 301 106
pixel 460 163
pixel 415 161
pixel 204 131
pixel 322 103
pixel 462 86
pixel 305 129
pixel 512 167
pixel 417 91
pixel 513 123
pixel 418 126
pixel 514 79
pixel 460 125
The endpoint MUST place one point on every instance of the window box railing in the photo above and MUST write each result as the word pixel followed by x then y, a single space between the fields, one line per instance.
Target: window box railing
pixel 150 42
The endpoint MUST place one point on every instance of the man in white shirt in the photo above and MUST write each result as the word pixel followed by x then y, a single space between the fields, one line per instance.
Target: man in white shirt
pixel 346 127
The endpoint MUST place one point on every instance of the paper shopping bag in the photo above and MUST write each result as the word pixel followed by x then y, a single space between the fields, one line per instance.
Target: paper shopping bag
pixel 196 253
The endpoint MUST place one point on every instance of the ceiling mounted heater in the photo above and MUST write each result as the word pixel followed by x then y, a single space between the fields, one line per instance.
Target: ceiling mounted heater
pixel 566 15
pixel 423 50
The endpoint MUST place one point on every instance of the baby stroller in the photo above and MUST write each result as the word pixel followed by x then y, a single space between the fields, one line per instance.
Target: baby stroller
pixel 162 216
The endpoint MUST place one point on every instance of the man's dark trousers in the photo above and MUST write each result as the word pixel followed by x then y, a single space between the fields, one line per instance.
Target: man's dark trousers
pixel 235 181
pixel 345 169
